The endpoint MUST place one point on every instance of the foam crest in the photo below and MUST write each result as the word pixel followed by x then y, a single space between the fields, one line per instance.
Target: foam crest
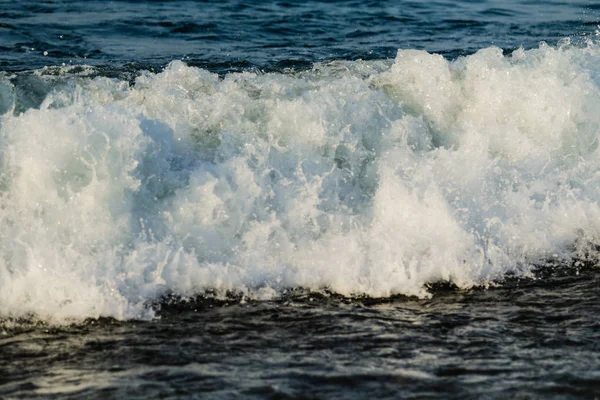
pixel 360 177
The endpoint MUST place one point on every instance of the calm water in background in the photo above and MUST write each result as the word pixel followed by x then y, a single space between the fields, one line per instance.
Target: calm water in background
pixel 526 338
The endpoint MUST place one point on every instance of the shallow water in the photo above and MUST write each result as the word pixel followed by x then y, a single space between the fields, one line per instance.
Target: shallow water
pixel 306 199
pixel 522 340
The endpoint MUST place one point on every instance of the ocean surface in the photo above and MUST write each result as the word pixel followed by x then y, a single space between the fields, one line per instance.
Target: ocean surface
pixel 308 199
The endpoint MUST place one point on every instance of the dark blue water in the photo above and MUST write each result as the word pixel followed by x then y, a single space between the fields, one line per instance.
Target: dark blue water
pixel 233 35
pixel 533 332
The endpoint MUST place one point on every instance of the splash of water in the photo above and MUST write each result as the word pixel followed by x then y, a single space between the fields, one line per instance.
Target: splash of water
pixel 361 177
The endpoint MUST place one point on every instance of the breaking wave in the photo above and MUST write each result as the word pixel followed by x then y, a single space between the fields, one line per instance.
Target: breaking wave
pixel 358 177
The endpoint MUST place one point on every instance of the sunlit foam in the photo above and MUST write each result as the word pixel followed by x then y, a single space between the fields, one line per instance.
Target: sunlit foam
pixel 360 177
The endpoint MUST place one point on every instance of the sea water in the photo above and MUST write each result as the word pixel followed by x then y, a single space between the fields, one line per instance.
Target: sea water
pixel 410 178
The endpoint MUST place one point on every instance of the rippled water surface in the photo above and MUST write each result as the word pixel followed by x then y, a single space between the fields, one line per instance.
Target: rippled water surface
pixel 524 340
pixel 230 35
pixel 304 199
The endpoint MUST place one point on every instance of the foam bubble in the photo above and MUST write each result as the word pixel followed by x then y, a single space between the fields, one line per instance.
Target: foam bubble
pixel 361 177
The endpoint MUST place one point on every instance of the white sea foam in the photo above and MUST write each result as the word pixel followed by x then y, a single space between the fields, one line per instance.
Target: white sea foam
pixel 361 177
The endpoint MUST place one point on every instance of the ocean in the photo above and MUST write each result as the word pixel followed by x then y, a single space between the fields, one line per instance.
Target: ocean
pixel 300 199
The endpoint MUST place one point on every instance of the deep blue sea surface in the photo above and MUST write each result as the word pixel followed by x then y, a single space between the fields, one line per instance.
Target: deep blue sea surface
pixel 239 35
pixel 300 199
